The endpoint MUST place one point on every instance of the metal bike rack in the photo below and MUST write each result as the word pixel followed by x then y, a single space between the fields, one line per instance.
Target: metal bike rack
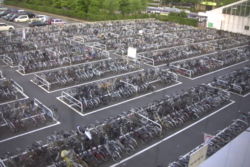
pixel 189 73
pixel 1 75
pixel 2 163
pixel 21 69
pixel 133 86
pixel 17 86
pixel 72 100
pixel 145 60
pixel 42 81
pixel 47 111
pixel 7 60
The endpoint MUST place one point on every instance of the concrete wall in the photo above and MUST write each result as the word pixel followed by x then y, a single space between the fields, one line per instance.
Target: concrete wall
pixel 231 23
pixel 236 24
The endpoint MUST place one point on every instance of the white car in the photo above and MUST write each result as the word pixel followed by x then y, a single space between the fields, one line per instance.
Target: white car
pixel 57 21
pixel 42 18
pixel 4 27
pixel 22 18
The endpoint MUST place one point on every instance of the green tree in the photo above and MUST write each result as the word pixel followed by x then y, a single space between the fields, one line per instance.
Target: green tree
pixel 124 6
pixel 83 5
pixel 94 7
pixel 111 5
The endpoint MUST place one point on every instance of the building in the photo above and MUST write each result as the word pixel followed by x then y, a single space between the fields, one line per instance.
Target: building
pixel 234 17
pixel 205 5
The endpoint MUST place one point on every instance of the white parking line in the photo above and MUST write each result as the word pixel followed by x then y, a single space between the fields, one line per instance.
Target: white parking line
pixel 86 83
pixel 193 57
pixel 237 94
pixel 92 112
pixel 12 101
pixel 213 71
pixel 169 137
pixel 72 65
pixel 33 131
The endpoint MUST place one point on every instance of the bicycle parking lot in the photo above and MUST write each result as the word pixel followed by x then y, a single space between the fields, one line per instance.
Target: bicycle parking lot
pixel 93 79
pixel 94 98
pixel 11 91
pixel 236 82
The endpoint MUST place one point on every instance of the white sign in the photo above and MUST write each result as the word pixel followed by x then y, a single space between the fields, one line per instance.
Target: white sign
pixel 132 52
pixel 24 34
pixel 197 157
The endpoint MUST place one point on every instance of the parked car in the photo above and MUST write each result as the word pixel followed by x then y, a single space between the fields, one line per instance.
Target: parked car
pixel 22 18
pixel 37 23
pixel 4 13
pixel 5 27
pixel 8 16
pixel 3 9
pixel 56 21
pixel 13 17
pixel 42 18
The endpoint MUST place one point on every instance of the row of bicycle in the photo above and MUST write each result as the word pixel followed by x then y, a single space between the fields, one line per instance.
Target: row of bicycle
pixel 237 81
pixel 116 137
pixel 49 58
pixel 99 94
pixel 168 55
pixel 83 73
pixel 218 141
pixel 208 63
pixel 22 116
pixel 18 113
pixel 145 41
pixel 9 91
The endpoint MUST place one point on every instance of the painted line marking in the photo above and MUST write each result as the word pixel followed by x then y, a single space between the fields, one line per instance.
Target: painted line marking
pixel 237 94
pixel 12 101
pixel 60 67
pixel 169 137
pixel 86 83
pixel 122 102
pixel 192 57
pixel 33 131
pixel 213 71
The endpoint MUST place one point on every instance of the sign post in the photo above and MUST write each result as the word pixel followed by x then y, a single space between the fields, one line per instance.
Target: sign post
pixel 132 54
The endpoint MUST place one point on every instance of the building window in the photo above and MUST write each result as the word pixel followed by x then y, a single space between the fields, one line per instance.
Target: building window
pixel 246 28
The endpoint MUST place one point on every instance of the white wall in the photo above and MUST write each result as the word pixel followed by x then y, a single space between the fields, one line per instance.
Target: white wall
pixel 236 24
pixel 214 18
pixel 231 23
pixel 217 20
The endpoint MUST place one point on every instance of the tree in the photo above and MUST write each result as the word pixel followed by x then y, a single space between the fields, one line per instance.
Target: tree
pixel 124 6
pixel 83 5
pixel 111 5
pixel 94 6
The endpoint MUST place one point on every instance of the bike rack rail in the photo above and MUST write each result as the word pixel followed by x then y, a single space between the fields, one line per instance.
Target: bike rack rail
pixel 72 100
pixel 45 111
pixel 2 163
pixel 146 60
pixel 41 81
pixel 189 73
pixel 7 60
pixel 1 75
